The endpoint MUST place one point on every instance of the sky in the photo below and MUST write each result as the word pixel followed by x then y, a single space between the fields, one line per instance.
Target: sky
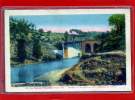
pixel 62 23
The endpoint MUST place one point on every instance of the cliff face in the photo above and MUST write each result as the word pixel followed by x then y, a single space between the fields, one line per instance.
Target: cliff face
pixel 103 69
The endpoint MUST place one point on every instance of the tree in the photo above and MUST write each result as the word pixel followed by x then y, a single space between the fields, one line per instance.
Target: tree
pixel 115 39
pixel 18 26
pixel 41 30
pixel 19 35
pixel 103 38
pixel 117 34
pixel 37 53
pixel 117 22
pixel 66 36
pixel 59 46
pixel 21 50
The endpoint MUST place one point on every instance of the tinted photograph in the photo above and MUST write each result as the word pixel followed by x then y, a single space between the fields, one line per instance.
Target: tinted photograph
pixel 68 50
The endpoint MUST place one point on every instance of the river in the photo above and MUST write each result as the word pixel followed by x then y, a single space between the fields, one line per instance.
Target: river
pixel 27 73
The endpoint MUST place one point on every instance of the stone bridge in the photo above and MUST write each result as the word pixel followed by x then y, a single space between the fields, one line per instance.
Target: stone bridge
pixel 76 48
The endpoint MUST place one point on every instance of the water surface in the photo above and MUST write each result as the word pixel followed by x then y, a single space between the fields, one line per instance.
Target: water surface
pixel 27 73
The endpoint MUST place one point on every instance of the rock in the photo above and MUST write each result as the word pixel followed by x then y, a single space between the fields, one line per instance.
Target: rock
pixel 106 69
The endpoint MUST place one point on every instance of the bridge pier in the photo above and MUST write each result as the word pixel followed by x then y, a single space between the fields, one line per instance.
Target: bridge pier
pixel 92 47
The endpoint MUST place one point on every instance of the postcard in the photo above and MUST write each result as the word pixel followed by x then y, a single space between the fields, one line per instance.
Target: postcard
pixel 68 50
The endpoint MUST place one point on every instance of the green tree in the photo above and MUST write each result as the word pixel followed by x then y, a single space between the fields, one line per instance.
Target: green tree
pixel 21 50
pixel 41 30
pixel 117 35
pixel 37 53
pixel 103 46
pixel 19 35
pixel 66 36
pixel 18 26
pixel 115 39
pixel 117 22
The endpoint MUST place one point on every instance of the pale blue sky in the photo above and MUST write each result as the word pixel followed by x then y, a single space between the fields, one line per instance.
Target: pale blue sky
pixel 82 20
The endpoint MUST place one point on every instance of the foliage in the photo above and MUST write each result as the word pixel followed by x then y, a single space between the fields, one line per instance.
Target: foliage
pixel 37 53
pixel 19 30
pixel 117 35
pixel 115 39
pixel 18 26
pixel 21 50
pixel 66 36
pixel 27 42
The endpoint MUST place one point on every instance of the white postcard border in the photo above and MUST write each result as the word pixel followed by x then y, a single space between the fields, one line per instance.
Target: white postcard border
pixel 127 87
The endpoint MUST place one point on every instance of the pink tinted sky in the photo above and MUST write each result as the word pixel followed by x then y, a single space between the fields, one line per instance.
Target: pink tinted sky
pixel 62 23
pixel 82 28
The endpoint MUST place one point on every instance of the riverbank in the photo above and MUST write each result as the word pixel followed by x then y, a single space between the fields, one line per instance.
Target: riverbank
pixel 101 69
pixel 28 73
pixel 28 62
pixel 53 77
pixel 19 64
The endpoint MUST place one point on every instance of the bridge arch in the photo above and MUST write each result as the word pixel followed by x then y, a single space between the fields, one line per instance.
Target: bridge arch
pixel 75 48
pixel 87 48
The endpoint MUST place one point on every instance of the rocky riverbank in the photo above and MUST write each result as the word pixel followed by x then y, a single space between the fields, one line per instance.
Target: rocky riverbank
pixel 101 69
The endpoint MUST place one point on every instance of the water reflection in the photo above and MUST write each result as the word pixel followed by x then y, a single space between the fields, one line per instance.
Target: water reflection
pixel 27 73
